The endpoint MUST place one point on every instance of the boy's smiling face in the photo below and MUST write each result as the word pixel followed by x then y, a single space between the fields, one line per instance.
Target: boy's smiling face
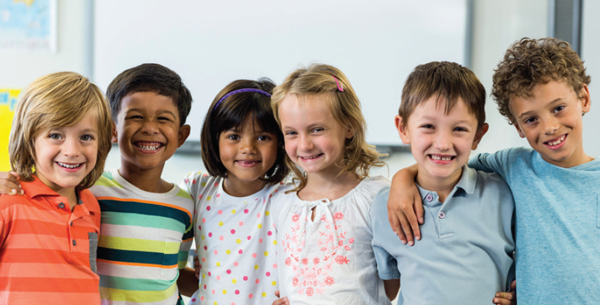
pixel 551 120
pixel 148 131
pixel 440 143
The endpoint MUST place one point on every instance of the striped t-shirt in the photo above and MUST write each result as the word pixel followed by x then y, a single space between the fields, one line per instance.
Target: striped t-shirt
pixel 145 238
pixel 47 251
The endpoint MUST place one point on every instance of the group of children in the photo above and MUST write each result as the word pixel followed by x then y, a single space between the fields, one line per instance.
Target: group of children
pixel 79 235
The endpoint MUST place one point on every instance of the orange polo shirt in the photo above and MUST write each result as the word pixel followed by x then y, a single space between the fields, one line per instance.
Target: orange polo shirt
pixel 47 252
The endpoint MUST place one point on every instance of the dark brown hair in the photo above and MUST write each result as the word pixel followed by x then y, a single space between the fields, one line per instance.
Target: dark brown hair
pixel 150 78
pixel 231 113
pixel 447 82
pixel 530 62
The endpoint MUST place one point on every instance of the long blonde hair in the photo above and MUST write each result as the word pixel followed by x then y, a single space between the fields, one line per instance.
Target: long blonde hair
pixel 326 81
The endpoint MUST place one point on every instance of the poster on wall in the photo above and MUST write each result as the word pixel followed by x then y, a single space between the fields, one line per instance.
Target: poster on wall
pixel 8 102
pixel 28 26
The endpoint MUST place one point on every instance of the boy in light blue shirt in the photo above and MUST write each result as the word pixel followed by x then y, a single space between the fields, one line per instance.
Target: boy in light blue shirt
pixel 466 255
pixel 542 89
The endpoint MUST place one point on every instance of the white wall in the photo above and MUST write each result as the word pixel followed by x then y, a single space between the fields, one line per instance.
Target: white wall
pixel 590 53
pixel 74 49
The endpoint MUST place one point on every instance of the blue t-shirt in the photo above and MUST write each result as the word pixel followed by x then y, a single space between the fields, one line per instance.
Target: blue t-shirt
pixel 465 255
pixel 557 226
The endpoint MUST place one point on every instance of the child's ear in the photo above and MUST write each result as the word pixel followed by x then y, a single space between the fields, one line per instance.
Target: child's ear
pixel 115 136
pixel 479 134
pixel 521 134
pixel 402 130
pixel 184 133
pixel 584 97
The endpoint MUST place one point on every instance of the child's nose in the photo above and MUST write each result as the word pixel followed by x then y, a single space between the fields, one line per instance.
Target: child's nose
pixel 551 125
pixel 443 142
pixel 150 127
pixel 71 148
pixel 305 143
pixel 248 147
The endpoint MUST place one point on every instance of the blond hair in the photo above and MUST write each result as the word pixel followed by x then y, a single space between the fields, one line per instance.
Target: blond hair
pixel 57 100
pixel 326 81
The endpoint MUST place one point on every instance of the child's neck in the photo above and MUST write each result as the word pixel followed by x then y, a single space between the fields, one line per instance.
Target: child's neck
pixel 239 188
pixel 71 196
pixel 327 186
pixel 145 180
pixel 442 186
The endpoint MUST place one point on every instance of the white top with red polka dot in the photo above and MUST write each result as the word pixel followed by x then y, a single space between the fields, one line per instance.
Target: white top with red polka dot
pixel 235 241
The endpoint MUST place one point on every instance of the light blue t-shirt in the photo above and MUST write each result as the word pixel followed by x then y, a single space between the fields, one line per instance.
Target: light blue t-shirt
pixel 465 254
pixel 557 226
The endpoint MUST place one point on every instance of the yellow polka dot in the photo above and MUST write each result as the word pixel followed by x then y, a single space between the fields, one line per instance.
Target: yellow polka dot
pixel 275 242
pixel 202 237
pixel 232 211
pixel 208 198
pixel 266 253
pixel 203 183
pixel 267 213
pixel 234 281
pixel 228 251
pixel 260 225
pixel 224 291
pixel 220 223
pixel 218 264
pixel 215 302
pixel 203 275
pixel 238 240
pixel 256 267
pixel 264 294
pixel 274 283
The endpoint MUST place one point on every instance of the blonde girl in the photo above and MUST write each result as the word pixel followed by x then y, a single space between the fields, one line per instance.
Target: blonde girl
pixel 324 230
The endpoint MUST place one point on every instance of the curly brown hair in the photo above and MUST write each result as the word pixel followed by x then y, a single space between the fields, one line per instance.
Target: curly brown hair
pixel 530 62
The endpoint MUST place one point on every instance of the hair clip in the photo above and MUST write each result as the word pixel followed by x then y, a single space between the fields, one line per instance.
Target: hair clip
pixel 337 83
pixel 240 91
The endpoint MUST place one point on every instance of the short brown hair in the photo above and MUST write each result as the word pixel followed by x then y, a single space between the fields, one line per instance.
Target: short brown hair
pixel 57 100
pixel 447 82
pixel 231 113
pixel 320 79
pixel 530 62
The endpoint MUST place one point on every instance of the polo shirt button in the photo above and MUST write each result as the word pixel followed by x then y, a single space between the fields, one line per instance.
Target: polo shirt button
pixel 441 215
pixel 428 197
pixel 74 242
pixel 61 205
pixel 71 223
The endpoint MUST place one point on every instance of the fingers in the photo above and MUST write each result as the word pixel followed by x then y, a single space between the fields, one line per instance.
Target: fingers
pixel 9 184
pixel 277 293
pixel 197 267
pixel 505 298
pixel 282 301
pixel 406 228
pixel 396 226
pixel 513 285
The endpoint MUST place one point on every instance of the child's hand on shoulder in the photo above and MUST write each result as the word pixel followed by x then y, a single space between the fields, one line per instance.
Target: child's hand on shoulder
pixel 405 209
pixel 507 298
pixel 281 301
pixel 9 184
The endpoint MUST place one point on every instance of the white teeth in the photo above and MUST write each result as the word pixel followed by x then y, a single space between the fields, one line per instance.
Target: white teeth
pixel 69 165
pixel 558 141
pixel 434 157
pixel 310 157
pixel 149 147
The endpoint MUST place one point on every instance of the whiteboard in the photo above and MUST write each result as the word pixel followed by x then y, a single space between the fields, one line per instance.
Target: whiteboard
pixel 376 43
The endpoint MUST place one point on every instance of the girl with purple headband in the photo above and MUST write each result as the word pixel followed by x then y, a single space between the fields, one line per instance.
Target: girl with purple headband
pixel 242 150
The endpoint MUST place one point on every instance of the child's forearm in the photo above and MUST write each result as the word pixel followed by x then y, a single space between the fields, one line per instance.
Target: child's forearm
pixel 405 211
pixel 187 281
pixel 391 288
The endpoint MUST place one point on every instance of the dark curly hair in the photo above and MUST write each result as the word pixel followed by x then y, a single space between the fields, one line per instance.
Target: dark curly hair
pixel 530 62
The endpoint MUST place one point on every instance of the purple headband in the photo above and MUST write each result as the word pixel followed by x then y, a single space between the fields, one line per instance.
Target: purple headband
pixel 240 91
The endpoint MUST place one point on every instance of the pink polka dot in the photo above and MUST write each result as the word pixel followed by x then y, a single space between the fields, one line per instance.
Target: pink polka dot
pixel 235 264
pixel 200 266
pixel 257 281
pixel 218 277
pixel 241 223
pixel 200 196
pixel 216 252
pixel 275 266
pixel 258 215
pixel 216 184
pixel 237 292
pixel 268 273
pixel 194 181
pixel 232 231
pixel 232 303
pixel 228 271
pixel 221 237
pixel 241 251
pixel 245 278
pixel 260 240
pixel 202 299
pixel 250 296
pixel 249 237
pixel 199 227
pixel 253 255
pixel 218 195
pixel 209 273
pixel 209 234
pixel 208 208
pixel 203 220
pixel 204 288
pixel 220 212
pixel 205 248
pixel 203 260
pixel 213 291
pixel 246 211
pixel 269 233
pixel 194 300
